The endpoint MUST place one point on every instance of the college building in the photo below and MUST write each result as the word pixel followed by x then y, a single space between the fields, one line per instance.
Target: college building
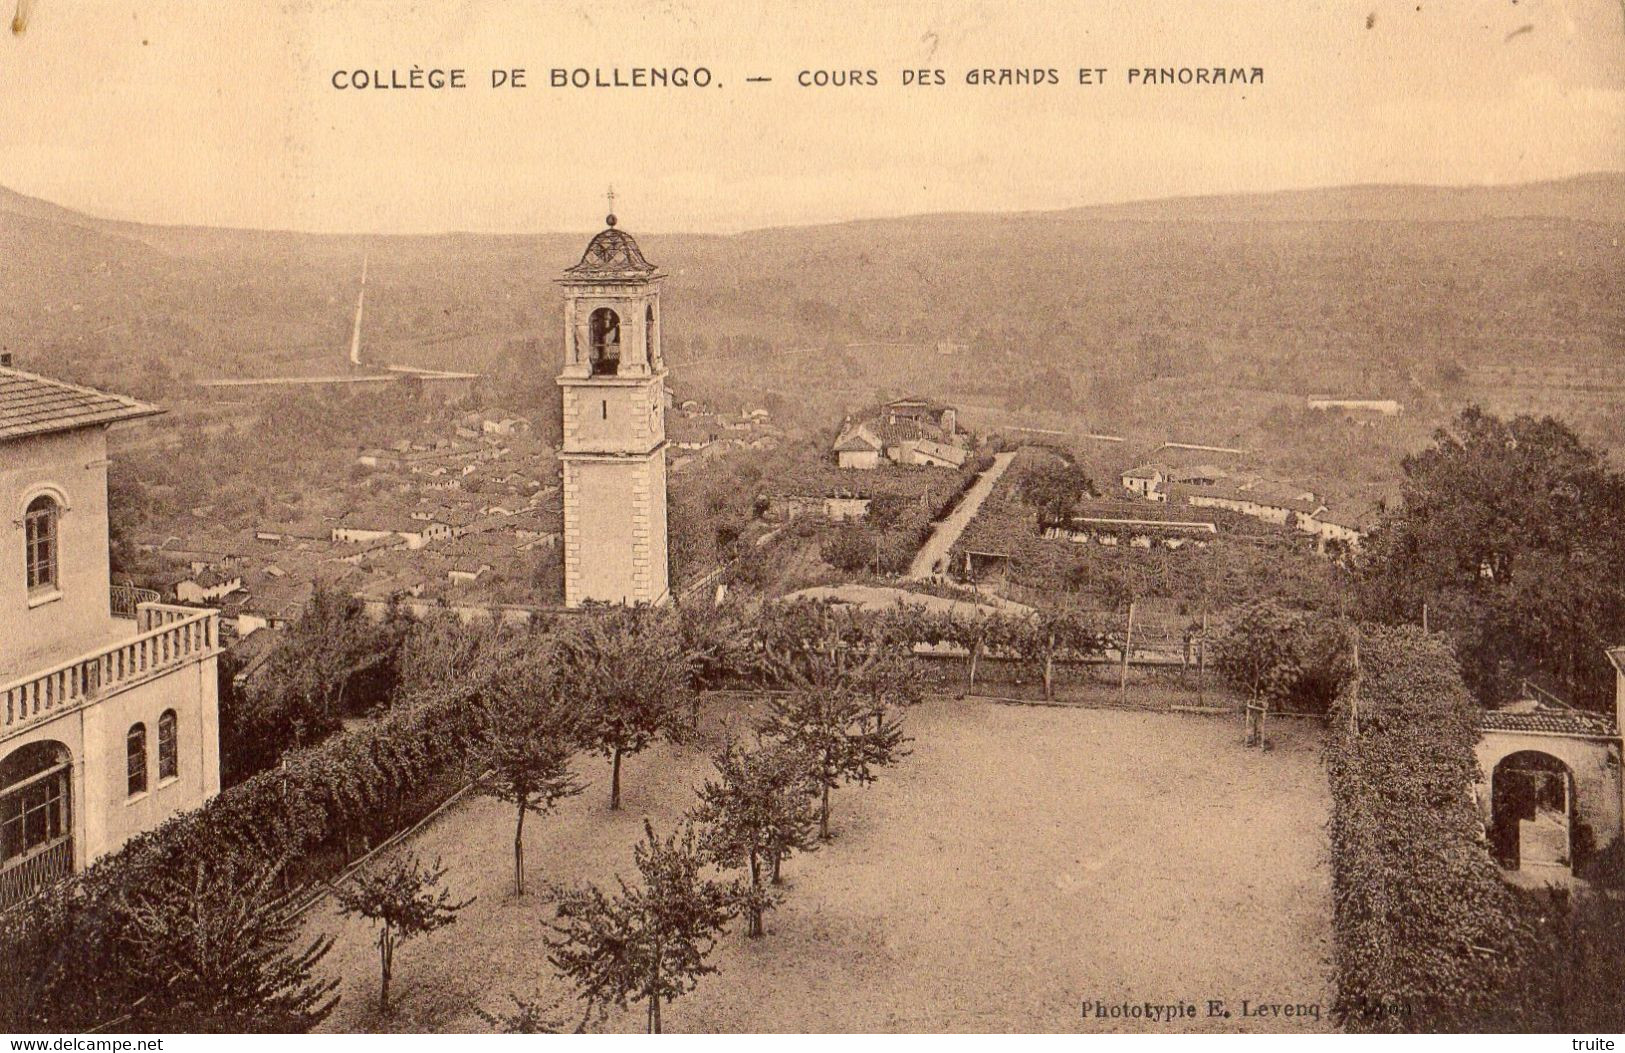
pixel 109 711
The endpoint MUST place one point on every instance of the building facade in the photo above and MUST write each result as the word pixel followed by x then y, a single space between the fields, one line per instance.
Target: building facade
pixel 109 713
pixel 613 456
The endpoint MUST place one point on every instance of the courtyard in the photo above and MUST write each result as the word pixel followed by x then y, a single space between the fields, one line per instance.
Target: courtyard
pixel 1023 861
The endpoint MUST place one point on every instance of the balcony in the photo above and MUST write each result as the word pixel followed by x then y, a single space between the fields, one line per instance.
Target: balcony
pixel 166 638
pixel 126 600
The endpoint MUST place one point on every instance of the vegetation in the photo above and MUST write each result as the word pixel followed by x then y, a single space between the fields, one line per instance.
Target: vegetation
pixel 648 942
pixel 332 662
pixel 756 813
pixel 524 736
pixel 1054 488
pixel 1245 560
pixel 628 671
pixel 840 711
pixel 1512 535
pixel 219 949
pixel 1428 935
pixel 403 898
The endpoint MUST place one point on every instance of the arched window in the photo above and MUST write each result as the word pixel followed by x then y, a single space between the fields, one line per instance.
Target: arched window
pixel 34 795
pixel 135 753
pixel 604 336
pixel 39 530
pixel 169 762
pixel 649 336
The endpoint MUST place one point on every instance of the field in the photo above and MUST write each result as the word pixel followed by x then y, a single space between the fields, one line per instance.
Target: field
pixel 1022 861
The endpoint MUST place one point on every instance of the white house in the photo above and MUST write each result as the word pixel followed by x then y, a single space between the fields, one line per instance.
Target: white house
pixel 207 587
pixel 1147 480
pixel 109 711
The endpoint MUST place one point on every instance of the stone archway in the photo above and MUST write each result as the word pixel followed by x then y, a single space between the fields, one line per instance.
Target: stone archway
pixel 1532 812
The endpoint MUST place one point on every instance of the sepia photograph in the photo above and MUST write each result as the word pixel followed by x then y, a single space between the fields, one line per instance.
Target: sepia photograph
pixel 700 517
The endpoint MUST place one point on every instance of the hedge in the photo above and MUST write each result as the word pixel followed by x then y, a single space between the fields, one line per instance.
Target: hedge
pixel 1429 937
pixel 67 962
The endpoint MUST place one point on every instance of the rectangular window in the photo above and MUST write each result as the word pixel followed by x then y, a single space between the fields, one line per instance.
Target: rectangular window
pixel 34 815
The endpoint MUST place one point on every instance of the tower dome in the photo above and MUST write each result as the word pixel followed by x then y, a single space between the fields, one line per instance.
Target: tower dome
pixel 612 253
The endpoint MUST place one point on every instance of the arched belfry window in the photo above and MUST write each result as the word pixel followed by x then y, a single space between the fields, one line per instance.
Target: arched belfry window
pixel 604 339
pixel 39 530
pixel 649 336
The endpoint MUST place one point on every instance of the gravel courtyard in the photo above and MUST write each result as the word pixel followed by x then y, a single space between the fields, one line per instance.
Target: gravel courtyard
pixel 1024 861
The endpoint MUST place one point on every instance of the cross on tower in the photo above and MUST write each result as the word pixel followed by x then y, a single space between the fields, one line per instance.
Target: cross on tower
pixel 611 196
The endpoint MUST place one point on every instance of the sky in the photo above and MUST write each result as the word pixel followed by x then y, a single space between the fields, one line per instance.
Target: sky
pixel 223 112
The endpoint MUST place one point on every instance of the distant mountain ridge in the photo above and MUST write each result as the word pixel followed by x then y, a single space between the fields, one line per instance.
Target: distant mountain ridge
pixel 1358 288
pixel 1597 197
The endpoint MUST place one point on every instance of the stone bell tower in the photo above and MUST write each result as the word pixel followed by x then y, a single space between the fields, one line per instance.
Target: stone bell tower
pixel 614 452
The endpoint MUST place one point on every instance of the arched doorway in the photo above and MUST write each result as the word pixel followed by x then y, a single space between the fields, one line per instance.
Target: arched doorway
pixel 1532 812
pixel 36 820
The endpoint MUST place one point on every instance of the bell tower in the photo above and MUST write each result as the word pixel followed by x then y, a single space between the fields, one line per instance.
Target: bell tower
pixel 614 452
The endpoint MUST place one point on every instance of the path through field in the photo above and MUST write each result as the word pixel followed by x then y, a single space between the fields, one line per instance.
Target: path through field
pixel 941 541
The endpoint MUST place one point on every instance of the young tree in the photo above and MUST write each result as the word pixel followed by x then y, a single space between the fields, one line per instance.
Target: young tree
pixel 219 950
pixel 757 811
pixel 1262 655
pixel 403 898
pixel 839 711
pixel 628 672
pixel 649 942
pixel 1052 633
pixel 524 738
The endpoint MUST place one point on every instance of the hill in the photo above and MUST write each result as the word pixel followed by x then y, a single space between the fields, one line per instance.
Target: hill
pixel 1095 316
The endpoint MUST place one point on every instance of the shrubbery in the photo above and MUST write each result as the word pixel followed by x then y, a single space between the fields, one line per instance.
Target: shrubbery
pixel 1429 936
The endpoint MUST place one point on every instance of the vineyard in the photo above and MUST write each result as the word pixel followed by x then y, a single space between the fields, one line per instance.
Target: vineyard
pixel 1244 560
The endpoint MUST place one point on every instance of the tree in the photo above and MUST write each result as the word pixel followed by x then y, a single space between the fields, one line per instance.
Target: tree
pixel 300 695
pixel 1512 534
pixel 649 942
pixel 757 811
pixel 217 947
pixel 627 670
pixel 838 712
pixel 1054 488
pixel 1262 655
pixel 524 738
pixel 1051 633
pixel 403 898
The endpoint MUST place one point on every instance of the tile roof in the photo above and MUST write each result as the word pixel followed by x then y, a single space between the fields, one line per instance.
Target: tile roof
pixel 858 438
pixel 36 405
pixel 1556 721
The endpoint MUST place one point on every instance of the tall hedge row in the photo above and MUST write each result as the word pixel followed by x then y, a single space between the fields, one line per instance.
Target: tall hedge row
pixel 68 961
pixel 1429 936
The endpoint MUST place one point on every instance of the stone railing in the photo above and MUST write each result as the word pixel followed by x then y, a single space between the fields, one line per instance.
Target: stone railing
pixel 166 637
pixel 127 599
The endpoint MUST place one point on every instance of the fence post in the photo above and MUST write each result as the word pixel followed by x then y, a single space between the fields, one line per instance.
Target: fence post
pixel 1201 661
pixel 1128 645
